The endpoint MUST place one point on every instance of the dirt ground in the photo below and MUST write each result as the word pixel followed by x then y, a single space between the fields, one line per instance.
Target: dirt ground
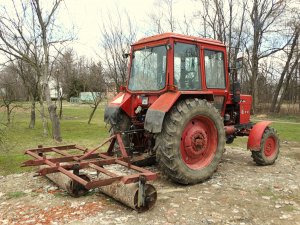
pixel 238 193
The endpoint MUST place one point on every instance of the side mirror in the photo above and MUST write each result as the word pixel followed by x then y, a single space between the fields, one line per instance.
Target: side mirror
pixel 125 55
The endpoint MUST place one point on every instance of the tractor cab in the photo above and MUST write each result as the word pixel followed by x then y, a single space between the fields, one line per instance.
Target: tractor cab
pixel 167 67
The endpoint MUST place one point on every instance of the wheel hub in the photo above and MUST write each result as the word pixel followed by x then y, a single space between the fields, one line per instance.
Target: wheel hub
pixel 195 142
pixel 198 142
pixel 270 147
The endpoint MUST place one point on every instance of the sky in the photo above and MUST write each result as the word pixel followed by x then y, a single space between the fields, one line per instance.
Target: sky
pixel 84 18
pixel 87 16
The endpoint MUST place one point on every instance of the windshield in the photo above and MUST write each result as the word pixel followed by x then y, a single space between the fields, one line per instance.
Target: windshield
pixel 148 69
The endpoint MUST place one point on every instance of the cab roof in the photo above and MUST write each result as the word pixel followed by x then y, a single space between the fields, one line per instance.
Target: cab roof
pixel 178 36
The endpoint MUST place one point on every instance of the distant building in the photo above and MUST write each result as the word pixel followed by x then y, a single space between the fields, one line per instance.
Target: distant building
pixel 54 93
pixel 88 96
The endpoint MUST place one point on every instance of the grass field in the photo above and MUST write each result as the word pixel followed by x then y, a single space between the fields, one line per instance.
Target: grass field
pixel 74 128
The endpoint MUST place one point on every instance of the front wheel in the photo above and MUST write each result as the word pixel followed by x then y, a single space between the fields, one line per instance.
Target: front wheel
pixel 269 148
pixel 191 143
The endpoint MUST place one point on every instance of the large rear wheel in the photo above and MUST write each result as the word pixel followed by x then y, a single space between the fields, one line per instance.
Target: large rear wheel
pixel 191 143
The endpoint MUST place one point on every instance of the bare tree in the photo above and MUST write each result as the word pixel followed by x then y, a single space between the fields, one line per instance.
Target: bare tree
pixel 96 85
pixel 162 18
pixel 31 83
pixel 10 91
pixel 117 36
pixel 285 70
pixel 29 34
pixel 263 15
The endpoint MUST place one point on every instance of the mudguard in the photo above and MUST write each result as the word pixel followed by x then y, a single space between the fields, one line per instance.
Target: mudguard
pixel 256 134
pixel 156 112
pixel 119 103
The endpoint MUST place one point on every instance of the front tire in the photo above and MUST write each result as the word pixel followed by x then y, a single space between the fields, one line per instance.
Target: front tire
pixel 191 143
pixel 269 148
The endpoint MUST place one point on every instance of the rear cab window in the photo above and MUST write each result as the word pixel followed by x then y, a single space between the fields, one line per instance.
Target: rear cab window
pixel 214 69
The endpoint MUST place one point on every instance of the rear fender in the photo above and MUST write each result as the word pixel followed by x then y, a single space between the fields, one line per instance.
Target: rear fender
pixel 119 103
pixel 156 112
pixel 256 134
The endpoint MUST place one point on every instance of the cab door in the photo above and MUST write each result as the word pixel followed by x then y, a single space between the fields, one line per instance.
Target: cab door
pixel 215 74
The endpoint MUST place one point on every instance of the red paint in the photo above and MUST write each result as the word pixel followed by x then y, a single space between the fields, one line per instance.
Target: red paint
pixel 245 108
pixel 270 147
pixel 159 37
pixel 256 134
pixel 199 142
pixel 165 101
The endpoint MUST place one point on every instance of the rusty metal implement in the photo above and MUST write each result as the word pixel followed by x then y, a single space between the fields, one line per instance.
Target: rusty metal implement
pixel 69 166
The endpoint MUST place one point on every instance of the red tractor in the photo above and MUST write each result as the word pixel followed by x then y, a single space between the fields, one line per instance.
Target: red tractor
pixel 179 108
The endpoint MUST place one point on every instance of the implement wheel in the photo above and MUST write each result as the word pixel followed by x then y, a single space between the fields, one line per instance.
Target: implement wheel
pixel 191 143
pixel 269 148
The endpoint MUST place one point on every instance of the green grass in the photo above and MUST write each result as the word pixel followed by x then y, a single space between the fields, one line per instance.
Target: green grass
pixel 287 126
pixel 74 128
pixel 15 194
pixel 287 131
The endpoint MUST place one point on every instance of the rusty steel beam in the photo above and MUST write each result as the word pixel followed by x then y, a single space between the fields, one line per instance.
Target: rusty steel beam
pixel 39 162
pixel 81 148
pixel 66 183
pixel 121 145
pixel 63 170
pixel 135 177
pixel 59 168
pixel 102 170
pixel 95 149
pixel 98 162
pixel 49 149
pixel 118 161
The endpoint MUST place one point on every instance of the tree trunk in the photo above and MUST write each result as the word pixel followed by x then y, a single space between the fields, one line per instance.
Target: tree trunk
pixel 254 58
pixel 53 114
pixel 92 114
pixel 288 78
pixel 283 73
pixel 44 119
pixel 32 115
pixel 95 106
pixel 60 107
pixel 254 91
pixel 45 74
pixel 8 111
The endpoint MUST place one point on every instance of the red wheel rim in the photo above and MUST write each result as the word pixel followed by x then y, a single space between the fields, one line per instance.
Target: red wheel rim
pixel 199 142
pixel 270 147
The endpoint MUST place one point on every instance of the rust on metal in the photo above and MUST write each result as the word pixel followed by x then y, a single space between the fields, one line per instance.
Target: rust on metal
pixel 128 194
pixel 70 171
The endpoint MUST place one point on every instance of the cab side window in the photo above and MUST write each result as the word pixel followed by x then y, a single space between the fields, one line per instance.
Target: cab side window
pixel 214 69
pixel 186 67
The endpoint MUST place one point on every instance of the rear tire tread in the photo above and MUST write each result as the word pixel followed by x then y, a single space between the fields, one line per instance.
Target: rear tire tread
pixel 167 141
